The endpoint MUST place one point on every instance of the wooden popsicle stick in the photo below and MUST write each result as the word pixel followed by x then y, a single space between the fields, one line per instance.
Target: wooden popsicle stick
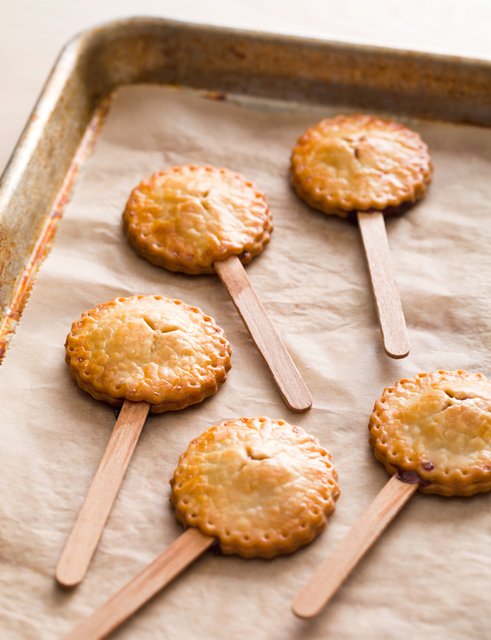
pixel 293 389
pixel 366 530
pixel 387 300
pixel 87 530
pixel 167 566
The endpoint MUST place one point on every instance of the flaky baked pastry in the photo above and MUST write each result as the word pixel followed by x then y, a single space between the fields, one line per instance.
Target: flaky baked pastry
pixel 261 486
pixel 186 218
pixel 360 163
pixel 435 429
pixel 148 348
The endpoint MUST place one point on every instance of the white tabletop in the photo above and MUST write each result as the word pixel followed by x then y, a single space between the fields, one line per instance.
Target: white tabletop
pixel 32 32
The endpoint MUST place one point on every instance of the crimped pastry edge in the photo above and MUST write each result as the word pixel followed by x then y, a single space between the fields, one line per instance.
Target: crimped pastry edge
pixel 182 264
pixel 434 481
pixel 116 399
pixel 255 546
pixel 331 204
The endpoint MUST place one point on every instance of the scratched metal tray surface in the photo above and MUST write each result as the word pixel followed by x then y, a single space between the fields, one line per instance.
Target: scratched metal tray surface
pixel 66 118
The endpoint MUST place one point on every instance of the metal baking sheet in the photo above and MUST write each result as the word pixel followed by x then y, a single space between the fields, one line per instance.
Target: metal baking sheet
pixel 427 569
pixel 66 118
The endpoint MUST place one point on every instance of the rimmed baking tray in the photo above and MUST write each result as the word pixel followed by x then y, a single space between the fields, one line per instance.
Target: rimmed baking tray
pixel 65 120
pixel 313 282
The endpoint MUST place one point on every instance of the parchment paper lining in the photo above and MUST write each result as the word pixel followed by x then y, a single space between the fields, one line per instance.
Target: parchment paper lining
pixel 431 573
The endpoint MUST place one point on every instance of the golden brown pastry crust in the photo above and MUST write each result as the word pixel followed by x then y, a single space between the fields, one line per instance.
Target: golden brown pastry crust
pixel 186 218
pixel 261 486
pixel 148 348
pixel 360 163
pixel 438 426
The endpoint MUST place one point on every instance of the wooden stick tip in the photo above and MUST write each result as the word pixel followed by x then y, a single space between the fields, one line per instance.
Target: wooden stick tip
pixel 302 610
pixel 299 405
pixel 397 352
pixel 67 580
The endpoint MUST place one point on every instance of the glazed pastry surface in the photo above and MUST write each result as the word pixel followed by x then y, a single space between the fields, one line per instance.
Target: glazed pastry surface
pixel 188 217
pixel 360 163
pixel 437 425
pixel 263 487
pixel 148 348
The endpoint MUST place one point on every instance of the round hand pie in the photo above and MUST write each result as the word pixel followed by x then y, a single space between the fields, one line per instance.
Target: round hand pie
pixel 188 217
pixel 360 163
pixel 148 348
pixel 261 486
pixel 437 428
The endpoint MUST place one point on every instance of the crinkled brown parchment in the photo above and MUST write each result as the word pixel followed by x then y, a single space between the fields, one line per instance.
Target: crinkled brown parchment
pixel 430 575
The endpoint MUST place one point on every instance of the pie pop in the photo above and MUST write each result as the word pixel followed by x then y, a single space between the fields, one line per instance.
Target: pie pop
pixel 433 434
pixel 200 219
pixel 257 487
pixel 146 354
pixel 366 167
